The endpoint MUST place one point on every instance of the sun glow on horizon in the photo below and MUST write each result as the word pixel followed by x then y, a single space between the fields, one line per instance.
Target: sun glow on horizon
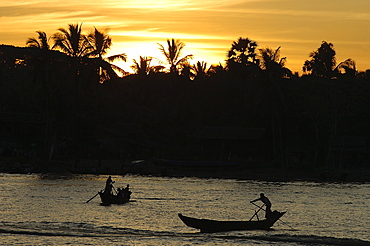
pixel 134 50
pixel 207 27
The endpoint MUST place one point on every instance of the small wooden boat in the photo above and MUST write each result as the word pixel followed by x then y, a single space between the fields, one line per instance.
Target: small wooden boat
pixel 206 225
pixel 108 199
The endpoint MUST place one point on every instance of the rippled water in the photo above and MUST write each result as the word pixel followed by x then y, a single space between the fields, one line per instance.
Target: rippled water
pixel 39 210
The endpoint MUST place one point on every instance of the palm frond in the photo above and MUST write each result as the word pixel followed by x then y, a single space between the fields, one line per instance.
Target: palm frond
pixel 33 42
pixel 184 59
pixel 119 69
pixel 118 57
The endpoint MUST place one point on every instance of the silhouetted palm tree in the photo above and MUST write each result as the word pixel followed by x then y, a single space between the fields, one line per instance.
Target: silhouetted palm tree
pixel 173 54
pixel 322 61
pixel 272 94
pixel 42 42
pixel 99 43
pixel 71 41
pixel 143 67
pixel 271 62
pixel 44 69
pixel 187 70
pixel 45 83
pixel 200 71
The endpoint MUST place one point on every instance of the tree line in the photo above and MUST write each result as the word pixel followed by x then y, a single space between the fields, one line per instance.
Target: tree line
pixel 158 109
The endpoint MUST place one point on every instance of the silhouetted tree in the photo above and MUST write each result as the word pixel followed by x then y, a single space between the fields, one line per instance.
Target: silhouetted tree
pixel 42 42
pixel 99 43
pixel 186 70
pixel 347 67
pixel 218 70
pixel 143 67
pixel 71 41
pixel 242 57
pixel 45 72
pixel 243 51
pixel 322 61
pixel 365 75
pixel 268 95
pixel 271 62
pixel 200 70
pixel 173 54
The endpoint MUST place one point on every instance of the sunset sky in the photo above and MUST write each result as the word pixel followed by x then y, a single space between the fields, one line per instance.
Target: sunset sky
pixel 207 27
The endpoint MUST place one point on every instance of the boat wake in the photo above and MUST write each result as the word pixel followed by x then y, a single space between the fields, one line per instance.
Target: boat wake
pixel 68 229
pixel 301 239
pixel 83 230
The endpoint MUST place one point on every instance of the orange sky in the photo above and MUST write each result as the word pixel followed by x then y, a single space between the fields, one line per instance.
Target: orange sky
pixel 207 27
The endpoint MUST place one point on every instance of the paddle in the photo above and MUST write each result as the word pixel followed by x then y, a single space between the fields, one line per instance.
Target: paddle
pixel 92 197
pixel 114 189
pixel 257 212
pixel 261 207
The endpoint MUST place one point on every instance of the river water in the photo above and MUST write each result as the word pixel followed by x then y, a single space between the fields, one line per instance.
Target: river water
pixel 52 210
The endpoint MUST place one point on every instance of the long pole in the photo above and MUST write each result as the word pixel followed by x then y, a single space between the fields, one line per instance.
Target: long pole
pixel 92 197
pixel 261 207
pixel 257 212
pixel 114 189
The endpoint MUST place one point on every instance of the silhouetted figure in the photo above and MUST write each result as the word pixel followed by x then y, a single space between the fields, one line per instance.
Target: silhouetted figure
pixel 127 192
pixel 108 185
pixel 267 202
pixel 120 193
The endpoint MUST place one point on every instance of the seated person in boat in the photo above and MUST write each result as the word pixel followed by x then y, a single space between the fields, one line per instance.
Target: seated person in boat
pixel 266 202
pixel 108 185
pixel 120 193
pixel 126 192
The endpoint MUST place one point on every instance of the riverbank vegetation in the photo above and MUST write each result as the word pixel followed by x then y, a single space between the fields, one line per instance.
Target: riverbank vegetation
pixel 62 98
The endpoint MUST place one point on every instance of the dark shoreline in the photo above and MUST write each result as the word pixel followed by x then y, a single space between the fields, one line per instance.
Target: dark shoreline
pixel 116 167
pixel 269 174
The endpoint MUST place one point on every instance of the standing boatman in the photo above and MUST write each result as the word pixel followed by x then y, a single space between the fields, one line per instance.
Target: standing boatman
pixel 108 185
pixel 266 202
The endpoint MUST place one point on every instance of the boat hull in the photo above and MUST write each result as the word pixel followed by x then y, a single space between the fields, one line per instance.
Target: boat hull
pixel 206 225
pixel 108 199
